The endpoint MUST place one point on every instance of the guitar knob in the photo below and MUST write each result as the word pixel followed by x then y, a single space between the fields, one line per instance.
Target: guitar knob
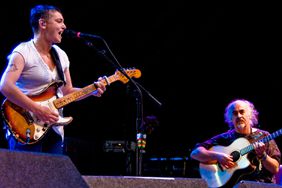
pixel 27 132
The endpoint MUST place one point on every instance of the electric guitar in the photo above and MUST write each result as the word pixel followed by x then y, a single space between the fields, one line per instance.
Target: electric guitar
pixel 27 129
pixel 217 176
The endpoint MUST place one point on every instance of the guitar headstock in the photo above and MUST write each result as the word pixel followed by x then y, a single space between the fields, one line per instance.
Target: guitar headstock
pixel 131 72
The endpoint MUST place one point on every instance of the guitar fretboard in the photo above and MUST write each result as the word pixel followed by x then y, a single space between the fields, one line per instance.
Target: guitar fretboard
pixel 63 101
pixel 264 140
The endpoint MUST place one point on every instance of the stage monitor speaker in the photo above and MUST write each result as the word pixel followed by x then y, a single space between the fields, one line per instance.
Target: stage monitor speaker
pixel 253 184
pixel 143 182
pixel 32 169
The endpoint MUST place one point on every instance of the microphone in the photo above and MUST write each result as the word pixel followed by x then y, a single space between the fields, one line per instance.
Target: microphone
pixel 79 35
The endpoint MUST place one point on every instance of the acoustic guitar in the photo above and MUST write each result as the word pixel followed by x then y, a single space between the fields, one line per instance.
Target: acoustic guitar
pixel 217 176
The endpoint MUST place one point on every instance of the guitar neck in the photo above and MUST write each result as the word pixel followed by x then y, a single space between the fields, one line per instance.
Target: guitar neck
pixel 67 99
pixel 264 140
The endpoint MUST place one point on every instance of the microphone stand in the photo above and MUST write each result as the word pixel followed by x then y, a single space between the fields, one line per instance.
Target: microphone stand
pixel 140 136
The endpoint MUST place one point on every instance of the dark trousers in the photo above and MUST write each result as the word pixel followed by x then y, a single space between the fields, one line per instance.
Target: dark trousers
pixel 50 143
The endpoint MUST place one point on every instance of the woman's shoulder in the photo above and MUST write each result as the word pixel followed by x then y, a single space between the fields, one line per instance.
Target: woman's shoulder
pixel 23 45
pixel 24 48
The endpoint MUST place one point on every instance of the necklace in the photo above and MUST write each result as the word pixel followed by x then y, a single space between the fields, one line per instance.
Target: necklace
pixel 43 54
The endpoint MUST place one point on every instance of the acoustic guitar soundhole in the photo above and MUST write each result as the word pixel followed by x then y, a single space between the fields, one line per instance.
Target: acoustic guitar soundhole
pixel 235 155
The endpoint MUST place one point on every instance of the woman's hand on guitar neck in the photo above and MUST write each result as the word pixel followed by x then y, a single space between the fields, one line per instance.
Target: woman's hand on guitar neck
pixel 101 88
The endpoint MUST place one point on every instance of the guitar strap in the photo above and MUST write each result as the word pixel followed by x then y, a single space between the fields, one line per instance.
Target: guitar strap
pixel 56 59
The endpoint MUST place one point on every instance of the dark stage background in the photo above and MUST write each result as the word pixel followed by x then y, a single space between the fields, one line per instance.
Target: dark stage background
pixel 194 59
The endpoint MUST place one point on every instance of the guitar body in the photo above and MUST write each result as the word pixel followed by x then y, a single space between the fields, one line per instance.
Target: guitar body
pixel 217 176
pixel 23 125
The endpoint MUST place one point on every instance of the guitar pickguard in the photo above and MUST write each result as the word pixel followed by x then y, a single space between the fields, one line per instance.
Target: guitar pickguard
pixel 41 127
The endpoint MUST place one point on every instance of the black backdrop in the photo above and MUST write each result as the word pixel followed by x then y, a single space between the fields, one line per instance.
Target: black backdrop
pixel 194 58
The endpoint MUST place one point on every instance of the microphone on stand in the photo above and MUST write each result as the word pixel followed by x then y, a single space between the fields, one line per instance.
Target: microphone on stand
pixel 79 35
